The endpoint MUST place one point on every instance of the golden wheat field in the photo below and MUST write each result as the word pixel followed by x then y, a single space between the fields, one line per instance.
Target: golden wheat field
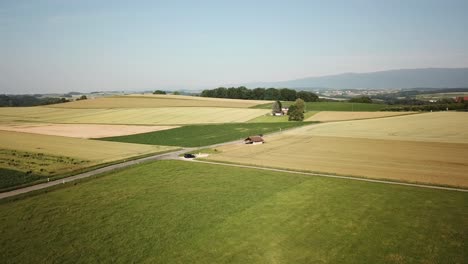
pixel 81 130
pixel 433 149
pixel 327 116
pixel 91 150
pixel 130 116
pixel 431 127
pixel 158 101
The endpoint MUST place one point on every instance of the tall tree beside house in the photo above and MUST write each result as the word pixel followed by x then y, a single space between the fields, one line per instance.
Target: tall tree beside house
pixel 300 105
pixel 276 108
pixel 295 114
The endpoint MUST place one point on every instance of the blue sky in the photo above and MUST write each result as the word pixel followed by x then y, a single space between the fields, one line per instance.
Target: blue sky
pixel 60 45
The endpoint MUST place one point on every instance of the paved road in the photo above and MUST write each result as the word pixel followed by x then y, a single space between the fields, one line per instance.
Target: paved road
pixel 334 176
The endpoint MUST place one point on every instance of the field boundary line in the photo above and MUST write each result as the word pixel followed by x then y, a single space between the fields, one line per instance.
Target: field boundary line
pixel 334 176
pixel 109 168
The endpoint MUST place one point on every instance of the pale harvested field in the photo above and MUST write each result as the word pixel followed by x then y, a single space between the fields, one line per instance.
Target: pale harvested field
pixel 92 150
pixel 327 116
pixel 147 101
pixel 431 127
pixel 82 130
pixel 427 148
pixel 130 116
pixel 424 162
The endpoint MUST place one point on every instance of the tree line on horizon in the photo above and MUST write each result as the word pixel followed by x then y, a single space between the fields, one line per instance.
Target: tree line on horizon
pixel 283 94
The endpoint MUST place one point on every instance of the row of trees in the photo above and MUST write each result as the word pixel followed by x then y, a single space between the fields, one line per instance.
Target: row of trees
pixel 362 99
pixel 429 107
pixel 242 92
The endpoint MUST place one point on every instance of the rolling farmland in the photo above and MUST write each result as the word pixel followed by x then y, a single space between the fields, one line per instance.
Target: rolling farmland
pixel 332 106
pixel 203 135
pixel 180 212
pixel 327 116
pixel 158 101
pixel 132 116
pixel 93 150
pixel 406 148
pixel 81 130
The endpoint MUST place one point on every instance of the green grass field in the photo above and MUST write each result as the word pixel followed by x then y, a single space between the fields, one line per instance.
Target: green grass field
pixel 332 106
pixel 182 212
pixel 204 135
pixel 20 167
pixel 11 177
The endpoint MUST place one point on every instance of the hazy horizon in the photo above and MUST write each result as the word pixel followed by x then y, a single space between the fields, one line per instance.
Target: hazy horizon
pixel 61 46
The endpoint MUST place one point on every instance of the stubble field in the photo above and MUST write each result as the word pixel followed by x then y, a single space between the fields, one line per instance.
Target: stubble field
pixel 327 116
pixel 81 130
pixel 132 116
pixel 92 150
pixel 398 148
pixel 158 101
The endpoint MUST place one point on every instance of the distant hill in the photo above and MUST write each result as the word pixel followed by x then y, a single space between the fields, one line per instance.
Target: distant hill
pixel 404 78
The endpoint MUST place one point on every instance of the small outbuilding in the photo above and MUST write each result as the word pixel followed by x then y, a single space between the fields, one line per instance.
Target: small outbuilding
pixel 254 140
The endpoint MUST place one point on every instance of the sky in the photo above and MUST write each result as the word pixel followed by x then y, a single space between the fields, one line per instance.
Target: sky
pixel 71 45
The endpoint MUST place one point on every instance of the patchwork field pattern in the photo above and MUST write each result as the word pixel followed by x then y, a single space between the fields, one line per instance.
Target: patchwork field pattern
pixel 143 116
pixel 183 212
pixel 158 101
pixel 81 130
pixel 204 135
pixel 427 148
pixel 326 116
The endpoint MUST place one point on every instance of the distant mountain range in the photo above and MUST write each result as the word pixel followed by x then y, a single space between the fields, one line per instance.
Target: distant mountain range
pixel 398 79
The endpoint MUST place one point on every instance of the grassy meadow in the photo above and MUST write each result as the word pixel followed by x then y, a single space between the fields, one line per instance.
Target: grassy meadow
pixel 331 106
pixel 183 212
pixel 204 135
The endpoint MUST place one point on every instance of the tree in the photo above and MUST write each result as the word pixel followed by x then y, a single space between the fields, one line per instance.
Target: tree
pixel 295 114
pixel 307 96
pixel 300 105
pixel 272 94
pixel 287 94
pixel 276 108
pixel 159 92
pixel 362 99
pixel 83 97
pixel 176 93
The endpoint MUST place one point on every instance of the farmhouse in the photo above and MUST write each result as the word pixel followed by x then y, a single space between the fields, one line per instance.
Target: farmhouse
pixel 254 140
pixel 460 99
